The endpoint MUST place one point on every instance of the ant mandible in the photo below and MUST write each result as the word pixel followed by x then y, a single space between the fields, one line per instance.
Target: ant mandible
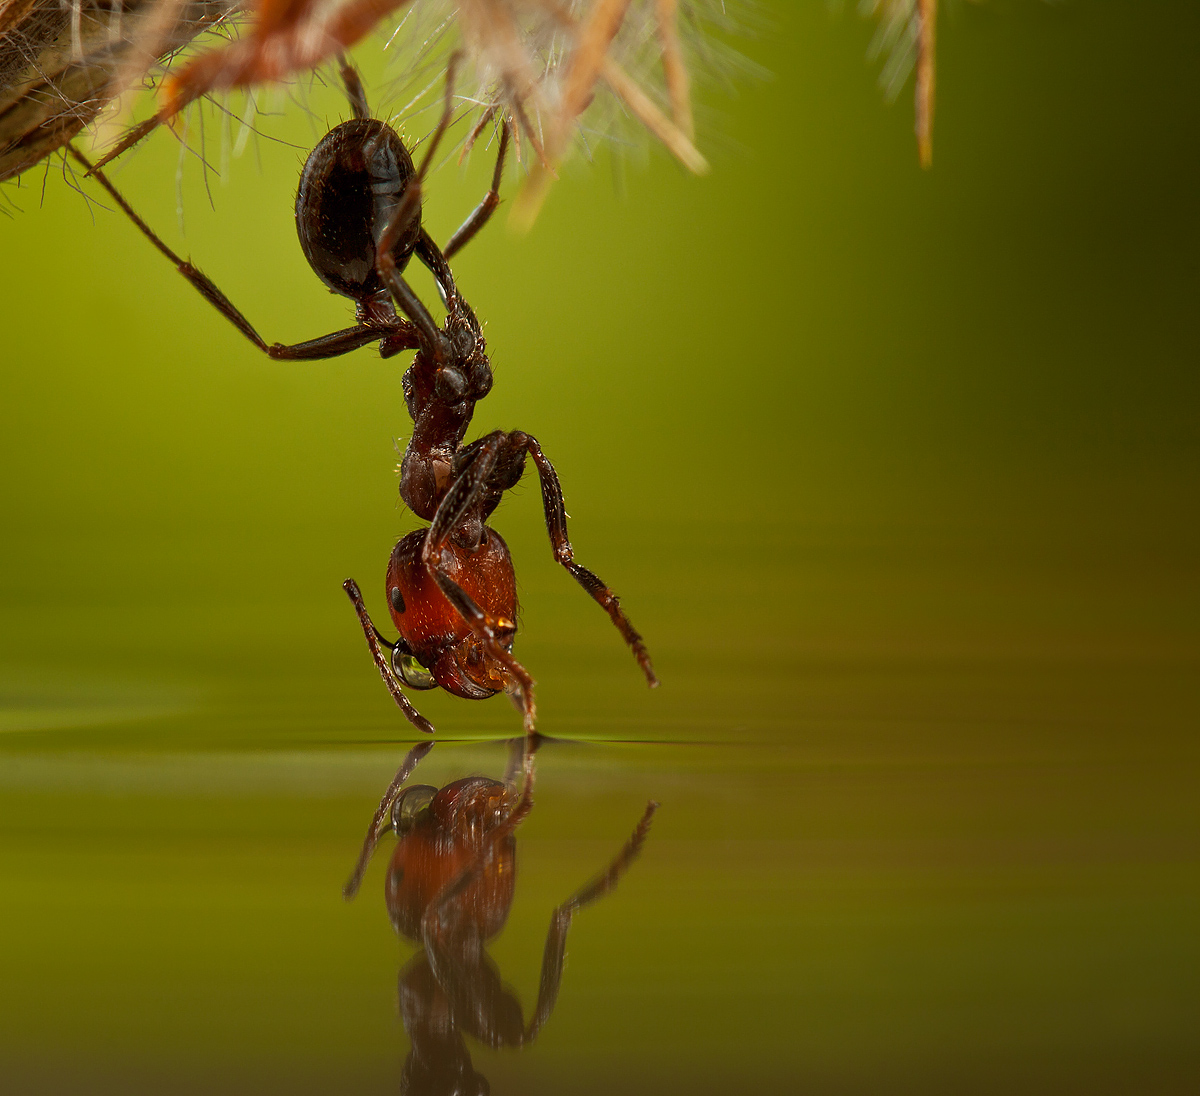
pixel 449 888
pixel 451 588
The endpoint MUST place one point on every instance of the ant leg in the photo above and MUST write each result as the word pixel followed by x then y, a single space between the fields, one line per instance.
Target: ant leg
pixel 556 526
pixel 486 208
pixel 486 628
pixel 466 492
pixel 476 130
pixel 517 749
pixel 406 210
pixel 411 305
pixel 393 337
pixel 354 90
pixel 385 671
pixel 327 346
pixel 139 132
pixel 560 921
pixel 380 821
pixel 409 206
pixel 203 285
pixel 435 262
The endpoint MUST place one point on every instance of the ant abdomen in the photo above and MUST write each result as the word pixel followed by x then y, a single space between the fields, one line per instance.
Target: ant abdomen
pixel 351 185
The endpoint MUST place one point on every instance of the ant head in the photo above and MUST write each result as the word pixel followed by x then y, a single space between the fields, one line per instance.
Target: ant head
pixel 437 647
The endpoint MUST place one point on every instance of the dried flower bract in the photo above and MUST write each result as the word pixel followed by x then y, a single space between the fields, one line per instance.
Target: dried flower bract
pixel 538 63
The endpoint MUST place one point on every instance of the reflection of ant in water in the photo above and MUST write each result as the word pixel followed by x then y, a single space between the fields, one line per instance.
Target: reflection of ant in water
pixel 451 587
pixel 449 888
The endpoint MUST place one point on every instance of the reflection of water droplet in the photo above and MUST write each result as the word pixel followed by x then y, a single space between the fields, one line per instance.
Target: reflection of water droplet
pixel 412 801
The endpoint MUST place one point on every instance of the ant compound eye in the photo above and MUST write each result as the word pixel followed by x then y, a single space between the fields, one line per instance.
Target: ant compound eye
pixel 397 599
pixel 410 671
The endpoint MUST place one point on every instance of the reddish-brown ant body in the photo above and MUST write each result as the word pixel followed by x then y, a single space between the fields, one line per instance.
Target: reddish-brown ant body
pixel 449 887
pixel 451 587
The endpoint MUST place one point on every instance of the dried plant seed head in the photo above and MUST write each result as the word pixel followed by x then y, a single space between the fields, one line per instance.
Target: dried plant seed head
pixel 61 64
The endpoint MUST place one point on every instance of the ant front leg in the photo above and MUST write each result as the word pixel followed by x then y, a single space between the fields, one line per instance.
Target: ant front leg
pixel 556 526
pixel 376 642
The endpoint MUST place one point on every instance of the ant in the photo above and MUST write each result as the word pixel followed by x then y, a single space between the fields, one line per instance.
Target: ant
pixel 451 587
pixel 449 888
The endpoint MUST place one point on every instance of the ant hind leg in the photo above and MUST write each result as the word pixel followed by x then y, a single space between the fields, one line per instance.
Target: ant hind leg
pixel 400 334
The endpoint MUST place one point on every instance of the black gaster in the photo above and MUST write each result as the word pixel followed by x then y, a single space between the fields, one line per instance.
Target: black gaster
pixel 351 184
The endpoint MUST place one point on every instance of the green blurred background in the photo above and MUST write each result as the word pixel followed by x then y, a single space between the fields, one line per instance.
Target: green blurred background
pixel 895 470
